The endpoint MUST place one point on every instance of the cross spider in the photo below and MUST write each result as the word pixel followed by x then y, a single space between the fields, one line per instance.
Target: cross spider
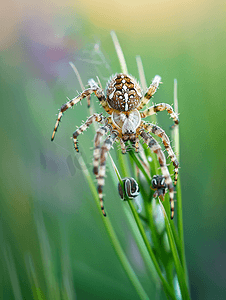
pixel 123 102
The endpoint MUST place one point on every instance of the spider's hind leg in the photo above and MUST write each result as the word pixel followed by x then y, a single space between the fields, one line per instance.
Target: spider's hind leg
pixel 96 153
pixel 155 147
pixel 102 170
pixel 165 139
pixel 123 146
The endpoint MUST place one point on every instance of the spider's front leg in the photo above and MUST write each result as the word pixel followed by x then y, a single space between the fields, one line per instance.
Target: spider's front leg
pixel 150 92
pixel 95 117
pixel 69 104
pixel 102 170
pixel 155 147
pixel 161 133
pixel 93 89
pixel 160 107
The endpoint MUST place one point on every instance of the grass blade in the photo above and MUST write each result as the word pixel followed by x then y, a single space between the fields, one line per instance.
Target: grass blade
pixel 118 249
pixel 119 53
pixel 178 266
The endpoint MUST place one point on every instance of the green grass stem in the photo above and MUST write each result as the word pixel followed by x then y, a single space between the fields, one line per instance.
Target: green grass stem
pixel 119 52
pixel 166 286
pixel 176 140
pixel 178 266
pixel 115 242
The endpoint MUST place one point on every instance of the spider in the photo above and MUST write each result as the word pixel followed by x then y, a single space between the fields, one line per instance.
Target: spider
pixel 123 101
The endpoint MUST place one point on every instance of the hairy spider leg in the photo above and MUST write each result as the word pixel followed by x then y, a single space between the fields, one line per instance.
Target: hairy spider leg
pixel 108 143
pixel 155 147
pixel 161 133
pixel 136 144
pixel 109 126
pixel 95 117
pixel 160 107
pixel 123 146
pixel 150 92
pixel 99 94
pixel 96 153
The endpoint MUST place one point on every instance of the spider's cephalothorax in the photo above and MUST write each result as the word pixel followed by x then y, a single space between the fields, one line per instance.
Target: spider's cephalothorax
pixel 123 102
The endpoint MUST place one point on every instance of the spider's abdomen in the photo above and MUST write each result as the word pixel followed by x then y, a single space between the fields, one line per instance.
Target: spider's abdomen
pixel 123 92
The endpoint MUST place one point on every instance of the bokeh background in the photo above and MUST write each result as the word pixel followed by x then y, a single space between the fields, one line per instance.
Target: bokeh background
pixel 51 231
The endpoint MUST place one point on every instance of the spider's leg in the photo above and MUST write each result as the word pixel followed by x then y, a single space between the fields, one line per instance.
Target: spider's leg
pixel 94 89
pixel 103 155
pixel 95 117
pixel 136 144
pixel 160 107
pixel 69 104
pixel 155 147
pixel 161 133
pixel 150 92
pixel 96 153
pixel 123 146
pixel 100 95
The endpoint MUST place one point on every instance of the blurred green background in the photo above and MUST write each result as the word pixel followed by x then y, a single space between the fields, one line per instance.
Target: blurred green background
pixel 52 235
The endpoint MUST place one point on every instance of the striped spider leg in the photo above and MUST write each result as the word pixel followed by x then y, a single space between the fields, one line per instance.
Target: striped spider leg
pixel 154 128
pixel 149 127
pixel 96 152
pixel 108 126
pixel 150 91
pixel 155 147
pixel 160 107
pixel 157 107
pixel 95 117
pixel 86 93
pixel 99 153
pixel 108 143
pixel 123 146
